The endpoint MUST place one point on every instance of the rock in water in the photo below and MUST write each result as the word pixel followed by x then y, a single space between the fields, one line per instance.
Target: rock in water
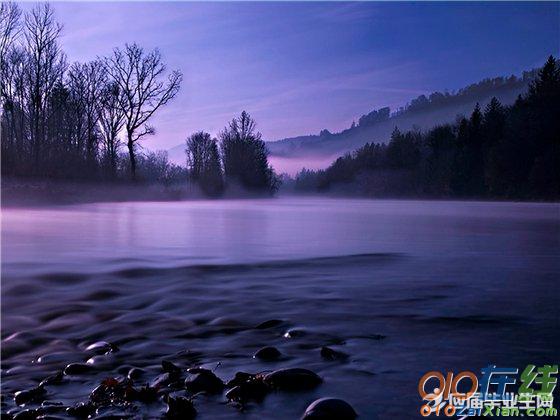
pixel 293 379
pixel 329 409
pixel 102 347
pixel 268 353
pixel 294 333
pixel 30 395
pixel 330 354
pixel 170 367
pixel 247 387
pixel 204 380
pixel 271 323
pixel 77 368
pixel 180 408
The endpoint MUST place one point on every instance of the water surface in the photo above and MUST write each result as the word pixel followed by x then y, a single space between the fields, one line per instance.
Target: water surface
pixel 449 285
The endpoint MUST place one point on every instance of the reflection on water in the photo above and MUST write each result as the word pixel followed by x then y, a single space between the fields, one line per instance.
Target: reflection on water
pixel 451 285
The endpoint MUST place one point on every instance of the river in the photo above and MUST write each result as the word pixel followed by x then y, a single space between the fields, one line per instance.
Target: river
pixel 401 287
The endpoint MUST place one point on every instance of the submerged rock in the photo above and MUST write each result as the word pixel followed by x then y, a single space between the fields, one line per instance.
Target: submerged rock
pixel 30 395
pixel 292 379
pixel 294 333
pixel 170 367
pixel 329 409
pixel 180 408
pixel 204 380
pixel 267 353
pixel 102 347
pixel 330 354
pixel 271 323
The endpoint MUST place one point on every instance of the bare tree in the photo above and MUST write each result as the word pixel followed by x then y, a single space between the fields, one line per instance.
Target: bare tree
pixel 45 66
pixel 86 82
pixel 10 28
pixel 111 121
pixel 141 78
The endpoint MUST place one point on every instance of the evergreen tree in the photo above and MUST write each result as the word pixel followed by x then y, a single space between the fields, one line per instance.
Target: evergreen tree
pixel 245 156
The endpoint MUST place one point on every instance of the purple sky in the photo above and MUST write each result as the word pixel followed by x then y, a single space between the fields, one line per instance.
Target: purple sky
pixel 301 67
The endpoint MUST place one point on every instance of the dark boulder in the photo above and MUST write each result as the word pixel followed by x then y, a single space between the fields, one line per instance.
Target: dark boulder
pixel 329 409
pixel 293 379
pixel 180 408
pixel 36 394
pixel 77 368
pixel 267 354
pixel 203 380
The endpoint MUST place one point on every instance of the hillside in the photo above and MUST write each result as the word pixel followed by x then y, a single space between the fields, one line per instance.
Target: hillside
pixel 423 112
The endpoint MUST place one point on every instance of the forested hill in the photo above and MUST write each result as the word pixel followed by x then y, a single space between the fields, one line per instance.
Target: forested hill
pixel 423 113
pixel 504 152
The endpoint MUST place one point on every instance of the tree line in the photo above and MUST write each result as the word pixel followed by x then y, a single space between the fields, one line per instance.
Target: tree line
pixel 510 152
pixel 241 160
pixel 71 121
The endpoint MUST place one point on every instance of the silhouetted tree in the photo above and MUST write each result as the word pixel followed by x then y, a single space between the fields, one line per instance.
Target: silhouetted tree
pixel 140 76
pixel 111 121
pixel 203 162
pixel 510 152
pixel 245 157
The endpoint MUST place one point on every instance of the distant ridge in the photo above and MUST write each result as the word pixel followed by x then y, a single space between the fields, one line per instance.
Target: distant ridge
pixel 423 113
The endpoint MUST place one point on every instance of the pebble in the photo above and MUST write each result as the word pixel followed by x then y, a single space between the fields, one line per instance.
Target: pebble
pixel 268 353
pixel 135 373
pixel 292 379
pixel 294 333
pixel 77 368
pixel 102 347
pixel 329 409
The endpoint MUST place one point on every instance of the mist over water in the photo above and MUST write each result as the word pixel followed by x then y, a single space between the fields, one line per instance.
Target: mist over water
pixel 449 285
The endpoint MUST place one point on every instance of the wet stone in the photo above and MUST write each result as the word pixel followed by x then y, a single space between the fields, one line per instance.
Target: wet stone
pixel 102 347
pixel 247 387
pixel 329 409
pixel 81 410
pixel 239 378
pixel 26 414
pixel 294 333
pixel 55 379
pixel 162 380
pixel 180 408
pixel 145 394
pixel 329 354
pixel 77 368
pixel 135 373
pixel 170 367
pixel 30 395
pixel 268 353
pixel 292 379
pixel 111 391
pixel 203 380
